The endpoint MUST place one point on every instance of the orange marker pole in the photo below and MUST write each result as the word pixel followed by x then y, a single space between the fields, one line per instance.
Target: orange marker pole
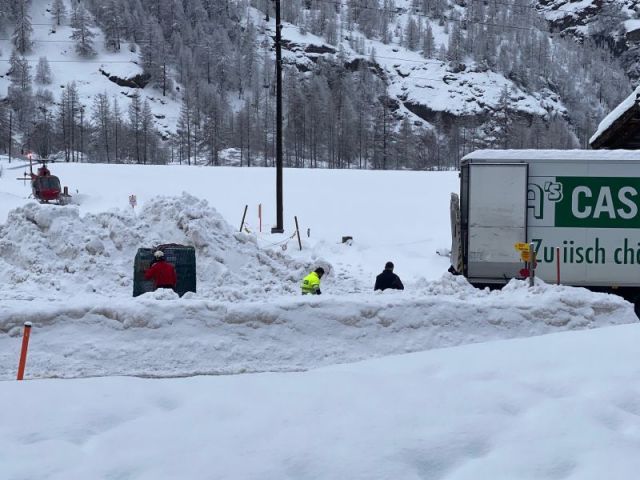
pixel 23 353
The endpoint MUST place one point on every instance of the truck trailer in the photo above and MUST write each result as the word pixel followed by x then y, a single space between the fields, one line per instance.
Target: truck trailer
pixel 579 208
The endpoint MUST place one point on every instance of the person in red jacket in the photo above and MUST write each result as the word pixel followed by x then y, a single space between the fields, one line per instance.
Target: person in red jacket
pixel 161 272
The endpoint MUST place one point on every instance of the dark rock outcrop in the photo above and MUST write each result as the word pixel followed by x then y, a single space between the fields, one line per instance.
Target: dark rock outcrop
pixel 139 81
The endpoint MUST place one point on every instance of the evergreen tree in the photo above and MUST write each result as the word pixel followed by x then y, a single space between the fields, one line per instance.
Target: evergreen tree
pixel 82 33
pixel 383 137
pixel 112 25
pixel 21 37
pixel 412 34
pixel 43 72
pixel 58 11
pixel 184 128
pixel 117 129
pixel 101 119
pixel 44 98
pixel 74 18
pixel 20 92
pixel 386 17
pixel 40 135
pixel 5 128
pixel 135 125
pixel 68 112
pixel 428 42
pixel 155 57
pixel 149 49
pixel 504 118
pixel 455 51
pixel 146 130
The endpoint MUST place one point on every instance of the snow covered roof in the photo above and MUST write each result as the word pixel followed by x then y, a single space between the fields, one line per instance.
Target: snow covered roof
pixel 632 25
pixel 615 115
pixel 553 155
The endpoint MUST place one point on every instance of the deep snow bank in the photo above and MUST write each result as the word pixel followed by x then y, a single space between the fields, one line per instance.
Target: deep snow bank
pixel 554 407
pixel 51 252
pixel 159 334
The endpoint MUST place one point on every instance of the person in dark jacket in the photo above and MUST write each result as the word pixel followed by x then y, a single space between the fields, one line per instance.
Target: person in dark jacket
pixel 161 272
pixel 388 279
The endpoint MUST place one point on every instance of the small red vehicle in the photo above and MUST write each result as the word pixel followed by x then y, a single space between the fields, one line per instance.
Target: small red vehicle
pixel 44 186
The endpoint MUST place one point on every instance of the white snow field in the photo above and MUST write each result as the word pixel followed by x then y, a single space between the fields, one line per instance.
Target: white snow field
pixel 69 271
pixel 555 406
pixel 561 406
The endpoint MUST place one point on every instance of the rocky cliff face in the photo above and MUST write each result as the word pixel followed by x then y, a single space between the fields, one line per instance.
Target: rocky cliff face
pixel 614 24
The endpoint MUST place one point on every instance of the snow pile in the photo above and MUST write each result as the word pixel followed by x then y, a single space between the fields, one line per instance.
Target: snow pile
pixel 554 407
pixel 52 249
pixel 160 334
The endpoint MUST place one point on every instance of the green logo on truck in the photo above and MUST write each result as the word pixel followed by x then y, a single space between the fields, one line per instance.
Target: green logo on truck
pixel 588 202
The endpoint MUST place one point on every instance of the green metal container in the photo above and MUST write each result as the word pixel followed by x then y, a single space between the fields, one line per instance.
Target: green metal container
pixel 182 257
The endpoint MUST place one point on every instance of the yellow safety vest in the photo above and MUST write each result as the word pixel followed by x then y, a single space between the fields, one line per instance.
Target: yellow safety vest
pixel 311 283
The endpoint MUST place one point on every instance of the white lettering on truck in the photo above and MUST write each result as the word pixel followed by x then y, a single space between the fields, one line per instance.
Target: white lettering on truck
pixel 574 202
pixel 604 203
pixel 633 208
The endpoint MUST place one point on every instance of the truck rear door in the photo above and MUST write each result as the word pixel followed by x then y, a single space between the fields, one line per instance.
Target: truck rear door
pixel 497 219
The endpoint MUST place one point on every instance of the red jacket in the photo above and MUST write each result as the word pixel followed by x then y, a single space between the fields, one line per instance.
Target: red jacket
pixel 162 273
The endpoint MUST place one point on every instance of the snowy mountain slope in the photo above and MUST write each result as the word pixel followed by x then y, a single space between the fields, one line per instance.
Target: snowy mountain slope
pixel 426 89
pixel 613 24
pixel 582 18
pixel 555 406
pixel 477 83
pixel 90 74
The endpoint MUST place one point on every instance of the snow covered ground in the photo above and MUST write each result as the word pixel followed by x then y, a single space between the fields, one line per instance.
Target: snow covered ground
pixel 69 270
pixel 562 406
pixel 554 406
pixel 160 335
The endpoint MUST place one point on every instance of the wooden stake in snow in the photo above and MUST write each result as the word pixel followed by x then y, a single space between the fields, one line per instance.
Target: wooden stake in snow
pixel 23 352
pixel 244 215
pixel 298 233
pixel 532 269
pixel 558 265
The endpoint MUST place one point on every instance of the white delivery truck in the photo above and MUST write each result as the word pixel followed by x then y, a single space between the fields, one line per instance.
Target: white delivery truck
pixel 580 208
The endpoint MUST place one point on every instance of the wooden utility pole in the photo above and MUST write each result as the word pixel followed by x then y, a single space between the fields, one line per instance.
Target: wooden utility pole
pixel 10 132
pixel 279 210
pixel 81 134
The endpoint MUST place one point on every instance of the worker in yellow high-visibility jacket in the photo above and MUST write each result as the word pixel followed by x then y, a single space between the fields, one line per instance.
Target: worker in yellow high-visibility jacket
pixel 311 283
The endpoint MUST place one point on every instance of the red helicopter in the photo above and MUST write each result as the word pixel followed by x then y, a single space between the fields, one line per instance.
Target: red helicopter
pixel 44 186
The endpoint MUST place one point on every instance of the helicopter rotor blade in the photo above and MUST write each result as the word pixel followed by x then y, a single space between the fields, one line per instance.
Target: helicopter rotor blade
pixel 18 167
